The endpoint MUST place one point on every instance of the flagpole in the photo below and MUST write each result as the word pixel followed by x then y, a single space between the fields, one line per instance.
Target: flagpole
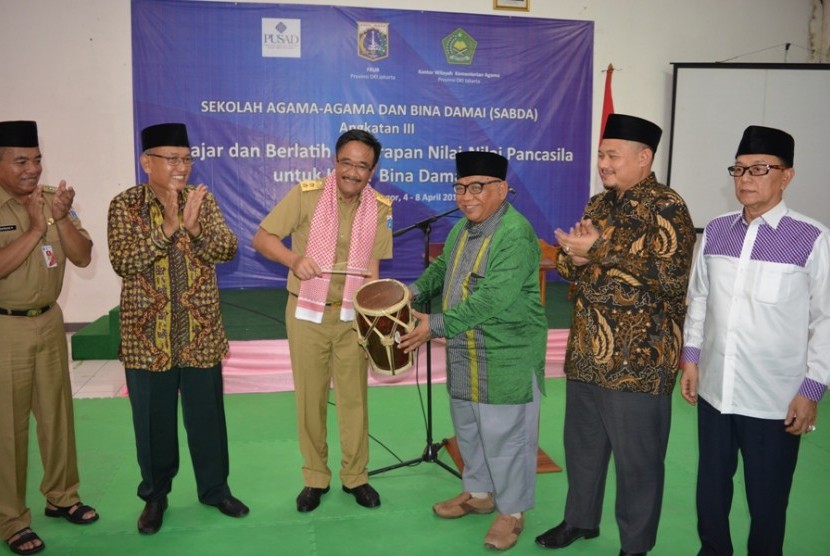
pixel 608 100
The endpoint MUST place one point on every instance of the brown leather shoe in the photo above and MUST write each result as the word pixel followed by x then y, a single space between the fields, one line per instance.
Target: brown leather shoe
pixel 504 532
pixel 462 505
pixel 151 518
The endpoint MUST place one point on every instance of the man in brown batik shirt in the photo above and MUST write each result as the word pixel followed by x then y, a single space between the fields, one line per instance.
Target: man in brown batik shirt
pixel 165 238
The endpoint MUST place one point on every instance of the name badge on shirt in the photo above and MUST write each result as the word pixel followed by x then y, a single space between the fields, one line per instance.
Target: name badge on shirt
pixel 8 228
pixel 49 256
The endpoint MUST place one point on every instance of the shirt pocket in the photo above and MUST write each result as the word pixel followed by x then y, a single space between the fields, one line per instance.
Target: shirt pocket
pixel 776 285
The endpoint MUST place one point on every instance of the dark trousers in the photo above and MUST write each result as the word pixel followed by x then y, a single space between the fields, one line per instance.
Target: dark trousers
pixel 635 428
pixel 154 400
pixel 769 456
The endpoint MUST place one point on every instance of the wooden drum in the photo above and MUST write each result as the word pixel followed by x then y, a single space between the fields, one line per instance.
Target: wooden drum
pixel 382 315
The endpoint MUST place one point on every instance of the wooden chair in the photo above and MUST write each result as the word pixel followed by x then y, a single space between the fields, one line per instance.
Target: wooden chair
pixel 547 262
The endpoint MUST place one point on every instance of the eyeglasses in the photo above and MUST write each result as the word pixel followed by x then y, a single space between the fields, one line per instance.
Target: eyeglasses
pixel 474 187
pixel 754 170
pixel 348 165
pixel 175 160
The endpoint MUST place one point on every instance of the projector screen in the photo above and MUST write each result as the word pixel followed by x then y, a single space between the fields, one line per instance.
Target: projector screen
pixel 712 104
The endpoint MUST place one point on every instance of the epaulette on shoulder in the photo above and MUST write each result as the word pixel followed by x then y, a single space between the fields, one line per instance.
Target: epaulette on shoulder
pixel 383 199
pixel 48 188
pixel 311 185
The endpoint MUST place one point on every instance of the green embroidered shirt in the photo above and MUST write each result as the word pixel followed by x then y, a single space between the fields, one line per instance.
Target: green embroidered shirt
pixel 492 315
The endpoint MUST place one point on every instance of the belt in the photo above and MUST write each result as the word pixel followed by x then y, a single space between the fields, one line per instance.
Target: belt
pixel 24 312
pixel 332 304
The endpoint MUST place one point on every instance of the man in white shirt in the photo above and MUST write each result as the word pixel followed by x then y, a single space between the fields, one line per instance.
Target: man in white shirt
pixel 756 356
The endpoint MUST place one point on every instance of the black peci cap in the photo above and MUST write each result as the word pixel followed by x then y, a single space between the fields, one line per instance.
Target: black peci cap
pixel 480 163
pixel 632 128
pixel 164 135
pixel 767 140
pixel 18 134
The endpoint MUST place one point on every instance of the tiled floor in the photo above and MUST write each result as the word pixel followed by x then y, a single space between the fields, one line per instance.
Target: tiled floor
pixel 96 379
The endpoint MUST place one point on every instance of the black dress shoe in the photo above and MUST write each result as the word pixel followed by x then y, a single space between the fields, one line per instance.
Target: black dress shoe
pixel 309 498
pixel 232 507
pixel 149 522
pixel 364 495
pixel 563 534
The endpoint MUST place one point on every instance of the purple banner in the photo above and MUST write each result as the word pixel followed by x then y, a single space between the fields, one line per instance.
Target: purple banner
pixel 265 91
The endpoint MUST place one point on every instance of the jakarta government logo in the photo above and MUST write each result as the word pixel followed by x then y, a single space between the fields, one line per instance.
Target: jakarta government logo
pixel 281 38
pixel 372 40
pixel 459 47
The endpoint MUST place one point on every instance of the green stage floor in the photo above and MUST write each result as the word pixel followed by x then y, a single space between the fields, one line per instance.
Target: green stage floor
pixel 265 473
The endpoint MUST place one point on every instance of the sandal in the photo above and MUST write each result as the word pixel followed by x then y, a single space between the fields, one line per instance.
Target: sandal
pixel 73 514
pixel 25 536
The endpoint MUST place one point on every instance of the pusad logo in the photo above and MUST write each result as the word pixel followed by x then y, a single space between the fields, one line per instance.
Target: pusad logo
pixel 459 47
pixel 281 38
pixel 372 40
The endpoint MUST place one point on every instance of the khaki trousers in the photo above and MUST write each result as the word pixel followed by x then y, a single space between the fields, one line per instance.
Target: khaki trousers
pixel 34 377
pixel 321 353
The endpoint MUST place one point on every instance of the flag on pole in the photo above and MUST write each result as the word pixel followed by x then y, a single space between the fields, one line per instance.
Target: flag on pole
pixel 608 101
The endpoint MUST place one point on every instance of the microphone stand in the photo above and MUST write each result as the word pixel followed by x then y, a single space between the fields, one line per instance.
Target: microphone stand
pixel 430 453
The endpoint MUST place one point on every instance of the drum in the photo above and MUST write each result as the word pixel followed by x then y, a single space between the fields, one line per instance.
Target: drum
pixel 382 315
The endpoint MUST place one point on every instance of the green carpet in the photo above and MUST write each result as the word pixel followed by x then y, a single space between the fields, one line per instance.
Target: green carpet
pixel 259 314
pixel 265 473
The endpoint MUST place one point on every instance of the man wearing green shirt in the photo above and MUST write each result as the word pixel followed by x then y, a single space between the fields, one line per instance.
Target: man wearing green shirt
pixel 494 323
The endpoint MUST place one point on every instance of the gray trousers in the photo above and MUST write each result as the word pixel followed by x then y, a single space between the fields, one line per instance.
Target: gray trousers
pixel 498 444
pixel 635 428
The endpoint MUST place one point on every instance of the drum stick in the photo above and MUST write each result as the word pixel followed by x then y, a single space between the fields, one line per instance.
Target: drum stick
pixel 339 271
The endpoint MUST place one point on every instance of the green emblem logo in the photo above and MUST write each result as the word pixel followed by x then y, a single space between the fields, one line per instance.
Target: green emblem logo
pixel 459 47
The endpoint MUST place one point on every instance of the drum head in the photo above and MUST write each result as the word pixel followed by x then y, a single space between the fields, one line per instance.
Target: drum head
pixel 380 294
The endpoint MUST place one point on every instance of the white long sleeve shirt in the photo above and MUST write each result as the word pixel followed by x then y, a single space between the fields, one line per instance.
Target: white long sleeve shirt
pixel 758 321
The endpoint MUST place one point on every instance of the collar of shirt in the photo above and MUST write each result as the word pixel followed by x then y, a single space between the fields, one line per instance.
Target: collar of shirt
pixel 5 196
pixel 489 226
pixel 772 217
pixel 150 195
pixel 631 193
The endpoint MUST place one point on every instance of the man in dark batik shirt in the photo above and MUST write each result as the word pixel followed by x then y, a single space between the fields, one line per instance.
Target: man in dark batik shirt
pixel 629 259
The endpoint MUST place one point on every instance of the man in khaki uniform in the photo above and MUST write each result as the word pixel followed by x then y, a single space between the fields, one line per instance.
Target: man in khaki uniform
pixel 39 231
pixel 341 224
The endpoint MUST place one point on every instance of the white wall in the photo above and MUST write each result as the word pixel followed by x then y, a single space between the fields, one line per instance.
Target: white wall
pixel 714 104
pixel 67 64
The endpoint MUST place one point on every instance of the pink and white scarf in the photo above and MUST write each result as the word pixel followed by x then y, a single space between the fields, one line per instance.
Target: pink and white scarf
pixel 322 244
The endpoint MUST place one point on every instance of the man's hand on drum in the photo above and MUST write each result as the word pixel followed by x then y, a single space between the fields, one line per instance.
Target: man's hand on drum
pixel 305 268
pixel 419 335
